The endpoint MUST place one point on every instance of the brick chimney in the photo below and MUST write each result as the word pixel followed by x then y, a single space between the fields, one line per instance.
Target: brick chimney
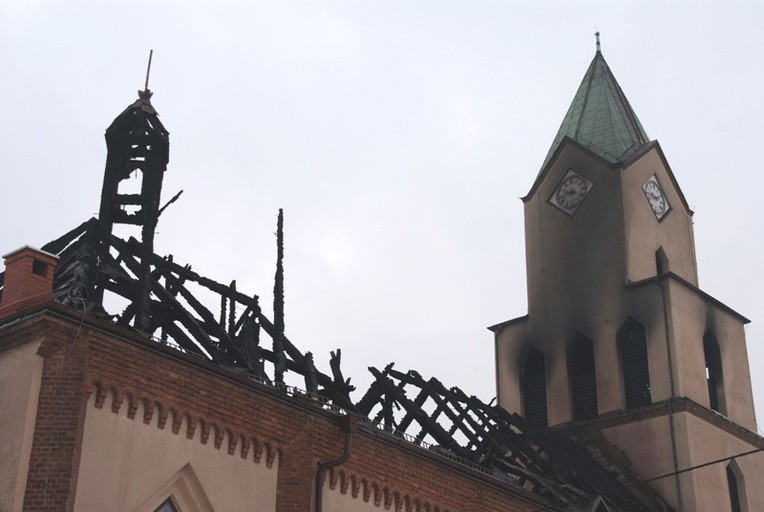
pixel 28 279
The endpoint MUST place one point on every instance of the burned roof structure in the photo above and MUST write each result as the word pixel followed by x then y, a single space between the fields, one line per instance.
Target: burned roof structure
pixel 165 299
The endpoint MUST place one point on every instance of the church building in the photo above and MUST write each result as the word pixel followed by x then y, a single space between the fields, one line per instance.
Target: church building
pixel 131 383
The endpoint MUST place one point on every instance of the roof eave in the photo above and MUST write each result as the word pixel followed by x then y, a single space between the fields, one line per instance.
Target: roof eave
pixel 691 287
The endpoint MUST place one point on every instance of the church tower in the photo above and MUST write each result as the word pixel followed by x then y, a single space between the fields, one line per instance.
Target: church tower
pixel 619 340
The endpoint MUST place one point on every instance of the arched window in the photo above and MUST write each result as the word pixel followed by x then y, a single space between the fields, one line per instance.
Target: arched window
pixel 734 485
pixel 533 387
pixel 583 378
pixel 714 377
pixel 632 345
pixel 661 262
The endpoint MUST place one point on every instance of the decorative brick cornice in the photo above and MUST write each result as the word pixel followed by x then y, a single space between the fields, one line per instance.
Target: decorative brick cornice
pixel 382 494
pixel 238 441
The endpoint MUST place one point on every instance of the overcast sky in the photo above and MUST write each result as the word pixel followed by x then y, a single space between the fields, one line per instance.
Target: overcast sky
pixel 397 136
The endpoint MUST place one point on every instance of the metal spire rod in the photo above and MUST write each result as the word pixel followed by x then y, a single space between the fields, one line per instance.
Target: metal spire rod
pixel 597 37
pixel 148 70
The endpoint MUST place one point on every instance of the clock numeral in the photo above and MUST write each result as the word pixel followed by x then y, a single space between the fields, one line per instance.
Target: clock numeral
pixel 570 192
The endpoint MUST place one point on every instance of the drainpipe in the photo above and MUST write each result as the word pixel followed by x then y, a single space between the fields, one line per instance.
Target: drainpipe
pixel 348 424
pixel 664 290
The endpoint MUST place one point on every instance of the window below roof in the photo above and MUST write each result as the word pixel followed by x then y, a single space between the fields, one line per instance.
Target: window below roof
pixel 167 506
pixel 661 262
pixel 736 489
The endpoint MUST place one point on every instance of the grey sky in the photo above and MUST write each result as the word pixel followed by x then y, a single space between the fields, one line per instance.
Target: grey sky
pixel 397 136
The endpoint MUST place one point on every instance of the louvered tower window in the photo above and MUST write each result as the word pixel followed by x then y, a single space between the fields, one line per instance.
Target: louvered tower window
pixel 632 345
pixel 732 484
pixel 583 378
pixel 533 386
pixel 713 372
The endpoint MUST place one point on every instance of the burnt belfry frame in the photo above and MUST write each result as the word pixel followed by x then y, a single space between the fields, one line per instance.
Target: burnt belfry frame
pixel 138 146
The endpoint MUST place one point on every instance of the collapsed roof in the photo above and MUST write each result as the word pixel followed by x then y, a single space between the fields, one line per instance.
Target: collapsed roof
pixel 168 301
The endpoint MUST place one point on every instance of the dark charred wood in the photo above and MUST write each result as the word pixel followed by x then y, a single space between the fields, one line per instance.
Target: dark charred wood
pixel 232 308
pixel 59 244
pixel 278 286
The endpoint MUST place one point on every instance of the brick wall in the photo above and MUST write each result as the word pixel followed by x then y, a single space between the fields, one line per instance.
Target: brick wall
pixel 54 457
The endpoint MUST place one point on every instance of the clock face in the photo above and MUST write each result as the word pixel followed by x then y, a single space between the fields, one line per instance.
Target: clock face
pixel 571 192
pixel 656 198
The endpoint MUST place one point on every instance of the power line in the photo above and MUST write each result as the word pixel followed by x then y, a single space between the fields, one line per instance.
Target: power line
pixel 717 461
pixel 666 475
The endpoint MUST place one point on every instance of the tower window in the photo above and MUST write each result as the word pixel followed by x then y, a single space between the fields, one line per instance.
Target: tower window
pixel 734 490
pixel 714 377
pixel 533 386
pixel 167 506
pixel 632 345
pixel 583 378
pixel 661 262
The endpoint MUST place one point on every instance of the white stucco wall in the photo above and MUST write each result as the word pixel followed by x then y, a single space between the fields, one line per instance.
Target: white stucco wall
pixel 644 234
pixel 710 490
pixel 648 444
pixel 20 376
pixel 126 464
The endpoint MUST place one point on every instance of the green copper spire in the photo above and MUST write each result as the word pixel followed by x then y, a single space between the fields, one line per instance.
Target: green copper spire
pixel 600 117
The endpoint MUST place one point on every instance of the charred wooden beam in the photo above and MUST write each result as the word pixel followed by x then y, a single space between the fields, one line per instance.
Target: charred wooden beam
pixel 278 285
pixel 60 243
pixel 185 273
pixel 232 308
pixel 397 395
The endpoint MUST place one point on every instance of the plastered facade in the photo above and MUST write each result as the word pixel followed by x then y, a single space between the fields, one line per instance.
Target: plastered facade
pixel 140 459
pixel 648 443
pixel 20 370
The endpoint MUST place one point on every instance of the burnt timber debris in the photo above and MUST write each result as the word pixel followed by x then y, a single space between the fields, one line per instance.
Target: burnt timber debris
pixel 164 300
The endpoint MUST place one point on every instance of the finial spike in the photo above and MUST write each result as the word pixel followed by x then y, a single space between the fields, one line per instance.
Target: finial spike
pixel 148 70
pixel 597 37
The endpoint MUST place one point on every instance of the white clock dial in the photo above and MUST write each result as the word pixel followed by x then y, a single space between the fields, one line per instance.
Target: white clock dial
pixel 571 192
pixel 655 197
